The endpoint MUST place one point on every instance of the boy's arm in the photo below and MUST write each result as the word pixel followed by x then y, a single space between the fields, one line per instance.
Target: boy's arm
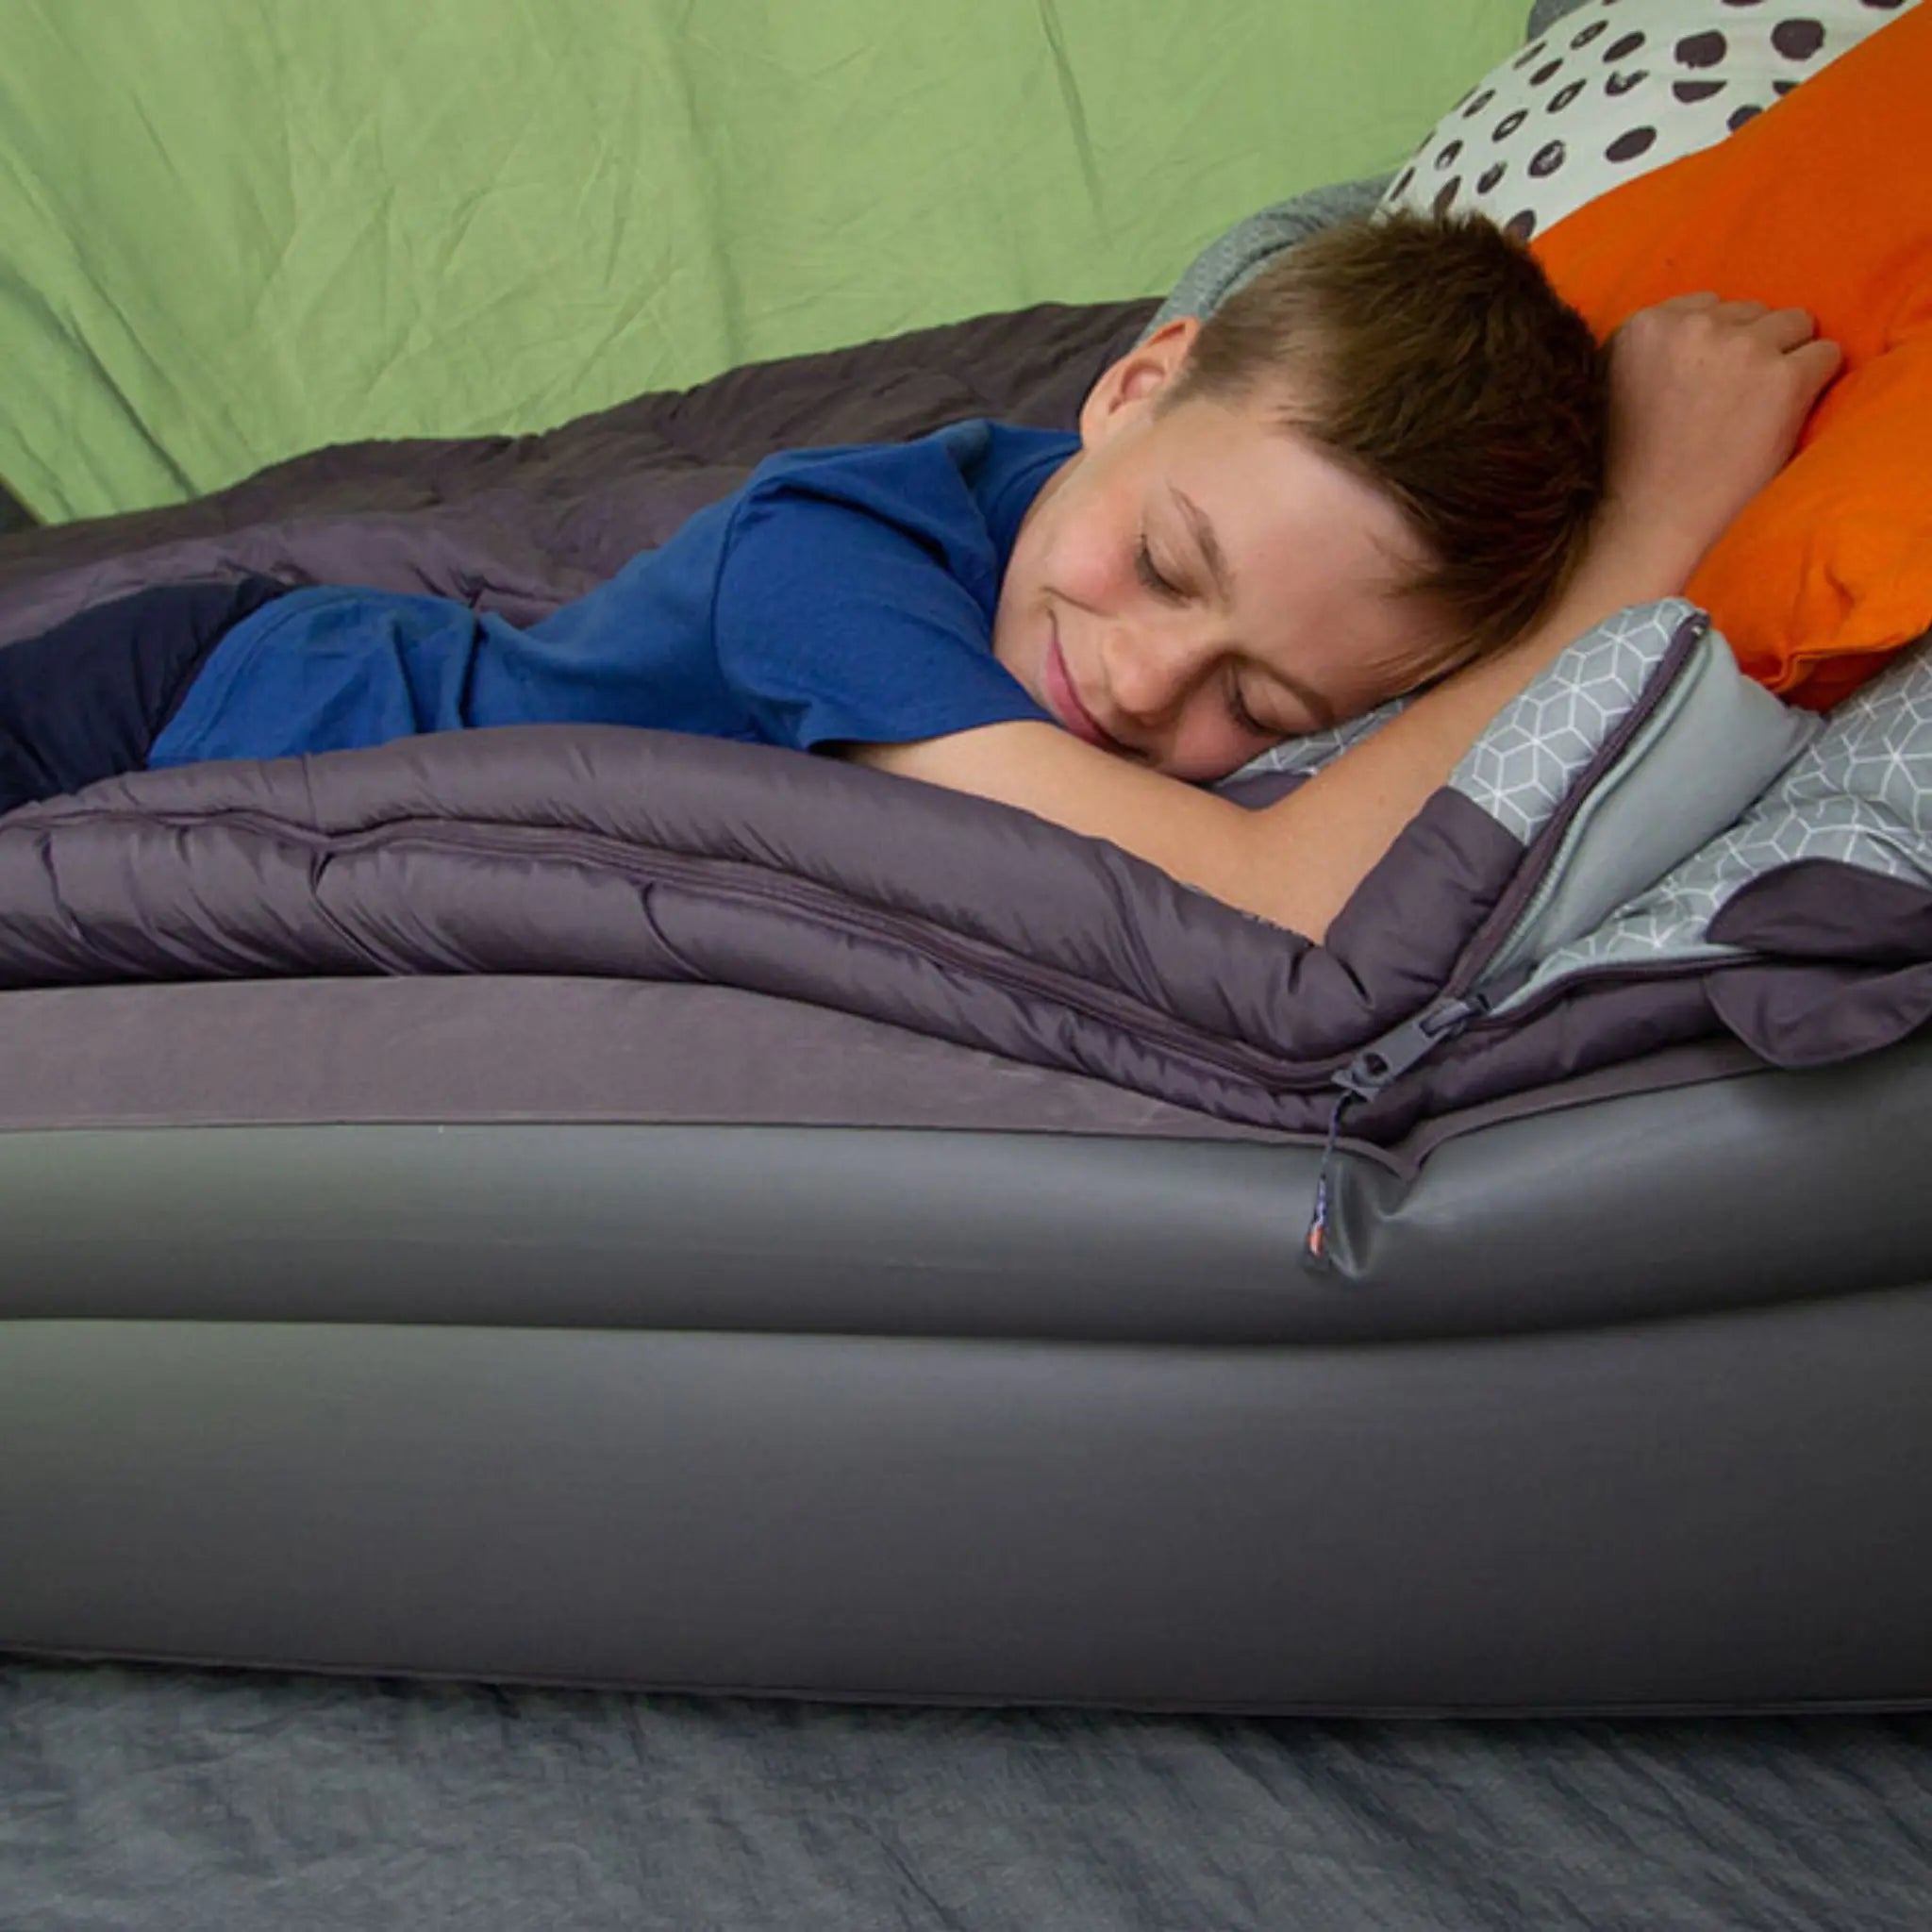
pixel 1707 399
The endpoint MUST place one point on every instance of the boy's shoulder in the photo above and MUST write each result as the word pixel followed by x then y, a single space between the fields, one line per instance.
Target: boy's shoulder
pixel 965 445
pixel 959 490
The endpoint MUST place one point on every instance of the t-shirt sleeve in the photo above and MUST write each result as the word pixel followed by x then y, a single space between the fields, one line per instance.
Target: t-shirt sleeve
pixel 834 624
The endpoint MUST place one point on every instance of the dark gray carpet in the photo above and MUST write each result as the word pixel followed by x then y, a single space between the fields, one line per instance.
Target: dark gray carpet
pixel 139 1799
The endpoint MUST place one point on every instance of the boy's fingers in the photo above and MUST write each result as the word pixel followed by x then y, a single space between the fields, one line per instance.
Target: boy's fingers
pixel 1788 328
pixel 1817 362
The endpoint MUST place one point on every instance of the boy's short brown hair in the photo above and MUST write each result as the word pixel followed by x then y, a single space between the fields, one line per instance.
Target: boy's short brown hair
pixel 1430 356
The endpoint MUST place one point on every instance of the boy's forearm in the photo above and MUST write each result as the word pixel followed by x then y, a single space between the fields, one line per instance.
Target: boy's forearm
pixel 1198 837
pixel 1296 862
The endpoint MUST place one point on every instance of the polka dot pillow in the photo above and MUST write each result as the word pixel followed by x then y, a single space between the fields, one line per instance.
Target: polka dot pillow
pixel 1615 89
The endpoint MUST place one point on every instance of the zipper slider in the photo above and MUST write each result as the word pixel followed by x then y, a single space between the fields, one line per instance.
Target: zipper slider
pixel 1388 1059
pixel 1374 1068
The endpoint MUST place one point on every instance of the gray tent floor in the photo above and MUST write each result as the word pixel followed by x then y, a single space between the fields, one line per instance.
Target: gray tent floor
pixel 147 1799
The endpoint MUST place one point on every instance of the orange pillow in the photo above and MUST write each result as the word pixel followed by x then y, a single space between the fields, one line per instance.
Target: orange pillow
pixel 1823 202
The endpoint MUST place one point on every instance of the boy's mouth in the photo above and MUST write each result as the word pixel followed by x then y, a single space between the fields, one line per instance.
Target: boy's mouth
pixel 1064 701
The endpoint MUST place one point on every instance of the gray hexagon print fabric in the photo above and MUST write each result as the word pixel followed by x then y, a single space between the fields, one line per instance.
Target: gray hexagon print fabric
pixel 1861 793
pixel 1537 747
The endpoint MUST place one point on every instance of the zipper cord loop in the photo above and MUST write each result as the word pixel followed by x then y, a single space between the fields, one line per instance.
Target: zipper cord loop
pixel 1315 1241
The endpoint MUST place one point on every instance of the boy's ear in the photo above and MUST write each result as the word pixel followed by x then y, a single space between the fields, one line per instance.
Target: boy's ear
pixel 1128 385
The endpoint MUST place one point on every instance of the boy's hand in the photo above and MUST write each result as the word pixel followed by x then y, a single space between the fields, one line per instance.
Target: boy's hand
pixel 1706 400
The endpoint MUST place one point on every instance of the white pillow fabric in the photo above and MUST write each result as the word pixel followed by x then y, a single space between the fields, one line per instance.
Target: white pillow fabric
pixel 1618 88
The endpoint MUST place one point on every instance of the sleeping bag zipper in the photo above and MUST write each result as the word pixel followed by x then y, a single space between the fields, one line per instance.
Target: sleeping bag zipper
pixel 1226 1058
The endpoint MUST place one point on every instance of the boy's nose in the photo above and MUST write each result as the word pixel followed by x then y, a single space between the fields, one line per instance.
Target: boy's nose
pixel 1149 676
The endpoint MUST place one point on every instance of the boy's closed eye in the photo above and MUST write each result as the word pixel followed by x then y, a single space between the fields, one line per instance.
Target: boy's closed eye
pixel 1242 714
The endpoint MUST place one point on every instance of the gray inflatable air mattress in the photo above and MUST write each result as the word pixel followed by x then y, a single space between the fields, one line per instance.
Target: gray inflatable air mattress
pixel 592 1205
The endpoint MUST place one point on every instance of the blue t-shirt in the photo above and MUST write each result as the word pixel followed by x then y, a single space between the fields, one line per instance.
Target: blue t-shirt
pixel 842 593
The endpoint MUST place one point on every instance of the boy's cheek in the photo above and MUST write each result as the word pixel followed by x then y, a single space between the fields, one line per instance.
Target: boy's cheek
pixel 1094 576
pixel 1210 750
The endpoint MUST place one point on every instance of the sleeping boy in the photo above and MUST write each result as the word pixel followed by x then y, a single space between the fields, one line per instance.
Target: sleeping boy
pixel 1393 463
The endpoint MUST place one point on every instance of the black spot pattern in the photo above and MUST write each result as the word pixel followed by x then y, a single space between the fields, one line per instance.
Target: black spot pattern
pixel 1701 50
pixel 1797 40
pixel 1797 34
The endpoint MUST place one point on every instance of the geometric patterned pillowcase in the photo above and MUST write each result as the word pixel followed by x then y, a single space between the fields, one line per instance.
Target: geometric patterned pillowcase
pixel 1616 88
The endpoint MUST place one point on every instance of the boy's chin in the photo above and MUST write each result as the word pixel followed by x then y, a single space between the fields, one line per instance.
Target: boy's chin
pixel 1183 775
